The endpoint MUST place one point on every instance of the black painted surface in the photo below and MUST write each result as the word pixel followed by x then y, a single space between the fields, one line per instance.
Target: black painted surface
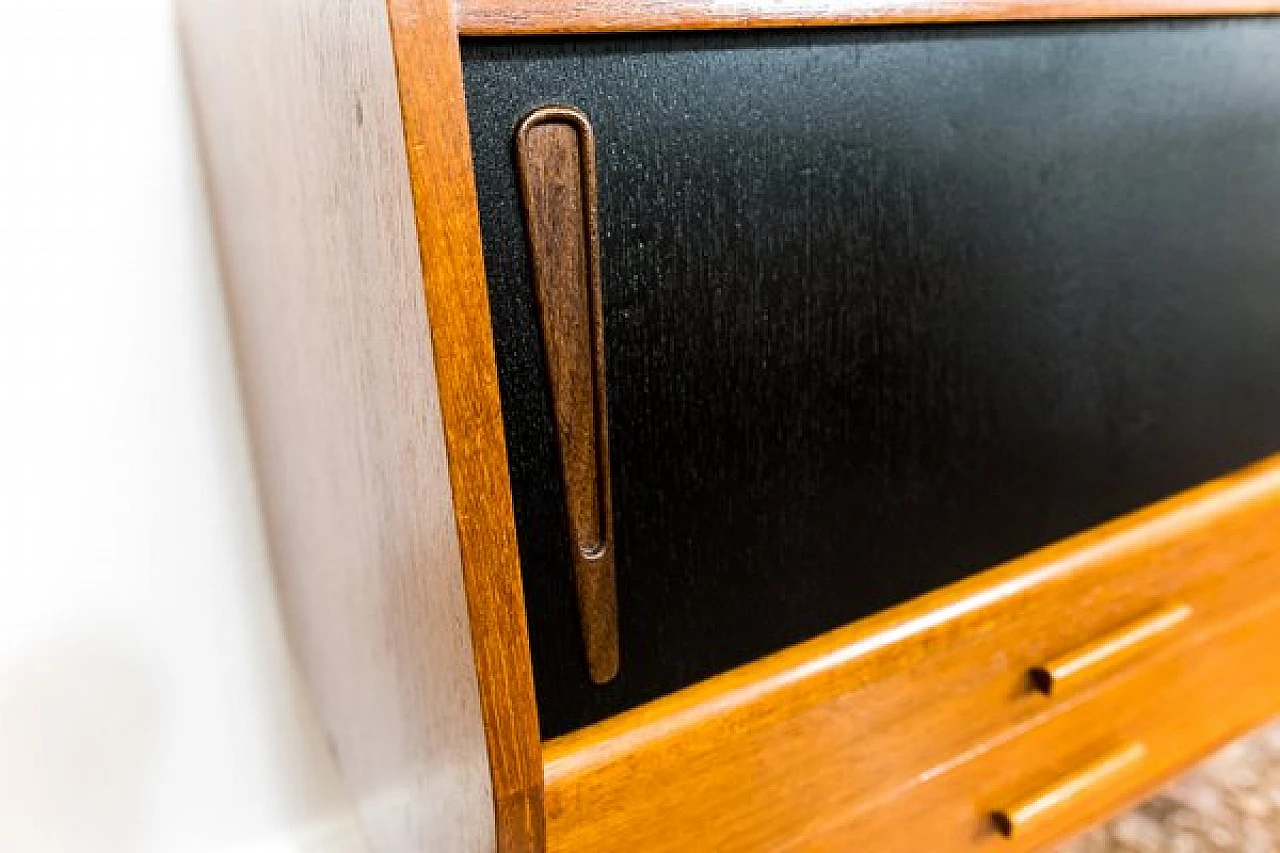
pixel 884 308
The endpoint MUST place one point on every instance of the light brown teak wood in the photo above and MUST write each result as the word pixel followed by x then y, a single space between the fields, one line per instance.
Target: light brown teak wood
pixel 425 44
pixel 1194 697
pixel 543 17
pixel 374 411
pixel 763 754
pixel 347 400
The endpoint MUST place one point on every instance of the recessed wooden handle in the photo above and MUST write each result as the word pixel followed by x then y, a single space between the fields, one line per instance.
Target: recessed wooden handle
pixel 1108 653
pixel 1024 815
pixel 556 153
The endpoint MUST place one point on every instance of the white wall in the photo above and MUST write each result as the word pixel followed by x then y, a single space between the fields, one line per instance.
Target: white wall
pixel 146 701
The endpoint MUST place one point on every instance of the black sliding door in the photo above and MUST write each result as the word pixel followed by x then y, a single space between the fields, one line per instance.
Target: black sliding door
pixel 882 308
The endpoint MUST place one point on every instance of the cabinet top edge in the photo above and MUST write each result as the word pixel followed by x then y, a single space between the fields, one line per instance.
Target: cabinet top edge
pixel 580 17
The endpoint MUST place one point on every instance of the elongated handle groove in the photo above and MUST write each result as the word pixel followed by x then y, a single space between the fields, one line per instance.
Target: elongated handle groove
pixel 1108 653
pixel 1094 779
pixel 556 152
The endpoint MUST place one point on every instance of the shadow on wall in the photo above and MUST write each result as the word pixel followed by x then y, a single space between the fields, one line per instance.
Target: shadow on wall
pixel 80 732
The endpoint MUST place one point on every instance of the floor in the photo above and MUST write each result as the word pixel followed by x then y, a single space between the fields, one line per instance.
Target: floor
pixel 1230 802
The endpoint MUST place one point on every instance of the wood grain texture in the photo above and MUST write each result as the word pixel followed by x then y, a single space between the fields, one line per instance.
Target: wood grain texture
pixel 883 308
pixel 1236 779
pixel 779 751
pixel 545 17
pixel 1208 689
pixel 425 45
pixel 306 167
pixel 557 161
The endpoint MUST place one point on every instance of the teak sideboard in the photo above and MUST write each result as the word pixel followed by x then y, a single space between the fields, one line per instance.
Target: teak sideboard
pixel 711 425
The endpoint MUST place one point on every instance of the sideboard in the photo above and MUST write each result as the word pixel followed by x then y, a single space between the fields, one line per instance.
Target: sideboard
pixel 758 426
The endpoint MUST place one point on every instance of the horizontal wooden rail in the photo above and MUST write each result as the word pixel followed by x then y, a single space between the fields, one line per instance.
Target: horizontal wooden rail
pixel 544 17
pixel 795 745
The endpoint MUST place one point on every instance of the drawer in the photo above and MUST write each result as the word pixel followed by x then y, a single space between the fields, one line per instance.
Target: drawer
pixel 1038 784
pixel 869 312
pixel 858 715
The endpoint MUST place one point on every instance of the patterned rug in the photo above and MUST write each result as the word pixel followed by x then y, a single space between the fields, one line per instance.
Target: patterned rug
pixel 1230 802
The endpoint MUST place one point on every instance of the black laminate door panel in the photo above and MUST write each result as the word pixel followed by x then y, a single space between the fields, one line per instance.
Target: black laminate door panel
pixel 882 308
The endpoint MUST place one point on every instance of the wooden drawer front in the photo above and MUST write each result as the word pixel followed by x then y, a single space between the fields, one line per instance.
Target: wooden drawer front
pixel 1102 751
pixel 878 310
pixel 798 739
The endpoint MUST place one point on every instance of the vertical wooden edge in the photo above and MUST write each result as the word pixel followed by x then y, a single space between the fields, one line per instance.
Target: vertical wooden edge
pixel 429 69
pixel 302 146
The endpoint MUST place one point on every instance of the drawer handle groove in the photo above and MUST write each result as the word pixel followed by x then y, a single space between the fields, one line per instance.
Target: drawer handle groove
pixel 1021 817
pixel 556 154
pixel 1107 653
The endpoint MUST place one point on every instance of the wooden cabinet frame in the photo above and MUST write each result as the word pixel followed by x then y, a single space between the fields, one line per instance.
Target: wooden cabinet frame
pixel 336 146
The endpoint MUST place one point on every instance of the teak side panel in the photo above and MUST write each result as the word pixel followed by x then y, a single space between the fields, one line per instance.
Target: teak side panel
pixel 425 44
pixel 775 750
pixel 545 17
pixel 306 167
